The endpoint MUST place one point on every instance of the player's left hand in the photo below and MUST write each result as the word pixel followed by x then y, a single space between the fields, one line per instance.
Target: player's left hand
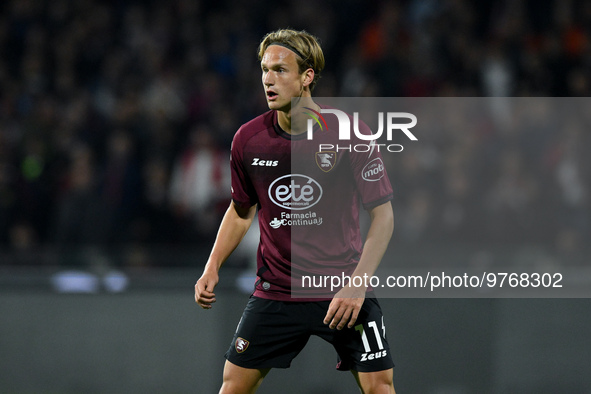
pixel 344 307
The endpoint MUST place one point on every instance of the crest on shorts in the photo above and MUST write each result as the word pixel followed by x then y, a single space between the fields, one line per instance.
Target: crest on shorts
pixel 241 345
pixel 326 160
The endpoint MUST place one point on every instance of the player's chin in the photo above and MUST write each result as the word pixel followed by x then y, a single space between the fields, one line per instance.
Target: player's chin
pixel 279 106
pixel 273 105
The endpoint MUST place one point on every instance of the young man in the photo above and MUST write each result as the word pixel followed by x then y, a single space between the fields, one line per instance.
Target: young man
pixel 309 225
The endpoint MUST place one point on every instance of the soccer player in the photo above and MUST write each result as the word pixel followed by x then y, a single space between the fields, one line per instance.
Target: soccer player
pixel 309 225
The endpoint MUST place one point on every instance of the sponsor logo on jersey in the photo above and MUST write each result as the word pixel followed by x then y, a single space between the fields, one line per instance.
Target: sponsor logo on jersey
pixel 326 160
pixel 296 219
pixel 264 163
pixel 276 223
pixel 373 171
pixel 295 191
pixel 241 345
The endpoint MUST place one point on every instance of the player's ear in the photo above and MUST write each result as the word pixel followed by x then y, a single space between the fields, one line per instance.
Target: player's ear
pixel 307 77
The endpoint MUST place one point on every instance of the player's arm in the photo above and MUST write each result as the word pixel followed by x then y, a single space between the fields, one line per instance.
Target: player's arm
pixel 346 304
pixel 378 238
pixel 234 226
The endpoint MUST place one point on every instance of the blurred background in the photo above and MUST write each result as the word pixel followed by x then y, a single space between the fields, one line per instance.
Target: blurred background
pixel 116 119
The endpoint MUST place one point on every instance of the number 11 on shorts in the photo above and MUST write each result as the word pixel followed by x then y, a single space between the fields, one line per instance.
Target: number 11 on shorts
pixel 376 332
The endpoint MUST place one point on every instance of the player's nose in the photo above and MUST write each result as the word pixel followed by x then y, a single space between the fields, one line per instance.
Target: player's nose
pixel 268 79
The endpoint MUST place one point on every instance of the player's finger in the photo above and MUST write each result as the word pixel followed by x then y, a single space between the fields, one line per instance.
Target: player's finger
pixel 344 319
pixel 205 305
pixel 204 289
pixel 337 317
pixel 353 318
pixel 203 296
pixel 332 308
pixel 209 300
pixel 209 286
pixel 206 294
pixel 205 302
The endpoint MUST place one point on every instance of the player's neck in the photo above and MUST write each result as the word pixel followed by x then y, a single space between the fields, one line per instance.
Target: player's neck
pixel 296 125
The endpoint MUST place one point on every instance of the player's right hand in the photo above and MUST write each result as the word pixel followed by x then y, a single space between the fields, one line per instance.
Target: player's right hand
pixel 204 295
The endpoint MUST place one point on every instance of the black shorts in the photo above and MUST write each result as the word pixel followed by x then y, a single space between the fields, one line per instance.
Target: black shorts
pixel 271 334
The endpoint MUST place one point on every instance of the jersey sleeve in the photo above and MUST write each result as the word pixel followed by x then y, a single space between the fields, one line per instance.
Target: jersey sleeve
pixel 243 192
pixel 369 172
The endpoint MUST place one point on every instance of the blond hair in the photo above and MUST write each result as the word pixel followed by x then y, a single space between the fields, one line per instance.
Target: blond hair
pixel 303 44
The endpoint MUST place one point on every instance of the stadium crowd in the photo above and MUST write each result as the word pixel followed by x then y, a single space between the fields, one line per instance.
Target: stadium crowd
pixel 116 117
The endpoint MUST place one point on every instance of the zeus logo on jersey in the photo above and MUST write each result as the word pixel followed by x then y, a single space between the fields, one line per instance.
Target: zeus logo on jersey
pixel 264 163
pixel 295 191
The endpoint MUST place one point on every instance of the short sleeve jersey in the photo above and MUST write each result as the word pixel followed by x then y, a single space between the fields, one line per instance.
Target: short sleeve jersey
pixel 308 196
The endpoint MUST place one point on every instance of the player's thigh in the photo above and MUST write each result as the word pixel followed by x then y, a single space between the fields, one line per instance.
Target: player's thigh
pixel 270 334
pixel 239 380
pixel 378 382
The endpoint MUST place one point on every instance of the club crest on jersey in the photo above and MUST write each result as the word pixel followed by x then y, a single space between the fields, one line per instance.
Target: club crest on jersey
pixel 241 345
pixel 326 160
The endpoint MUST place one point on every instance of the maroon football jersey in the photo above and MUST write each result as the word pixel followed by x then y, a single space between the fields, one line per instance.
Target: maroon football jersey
pixel 308 200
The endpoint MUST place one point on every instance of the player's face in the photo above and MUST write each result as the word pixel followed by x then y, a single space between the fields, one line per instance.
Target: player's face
pixel 281 77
